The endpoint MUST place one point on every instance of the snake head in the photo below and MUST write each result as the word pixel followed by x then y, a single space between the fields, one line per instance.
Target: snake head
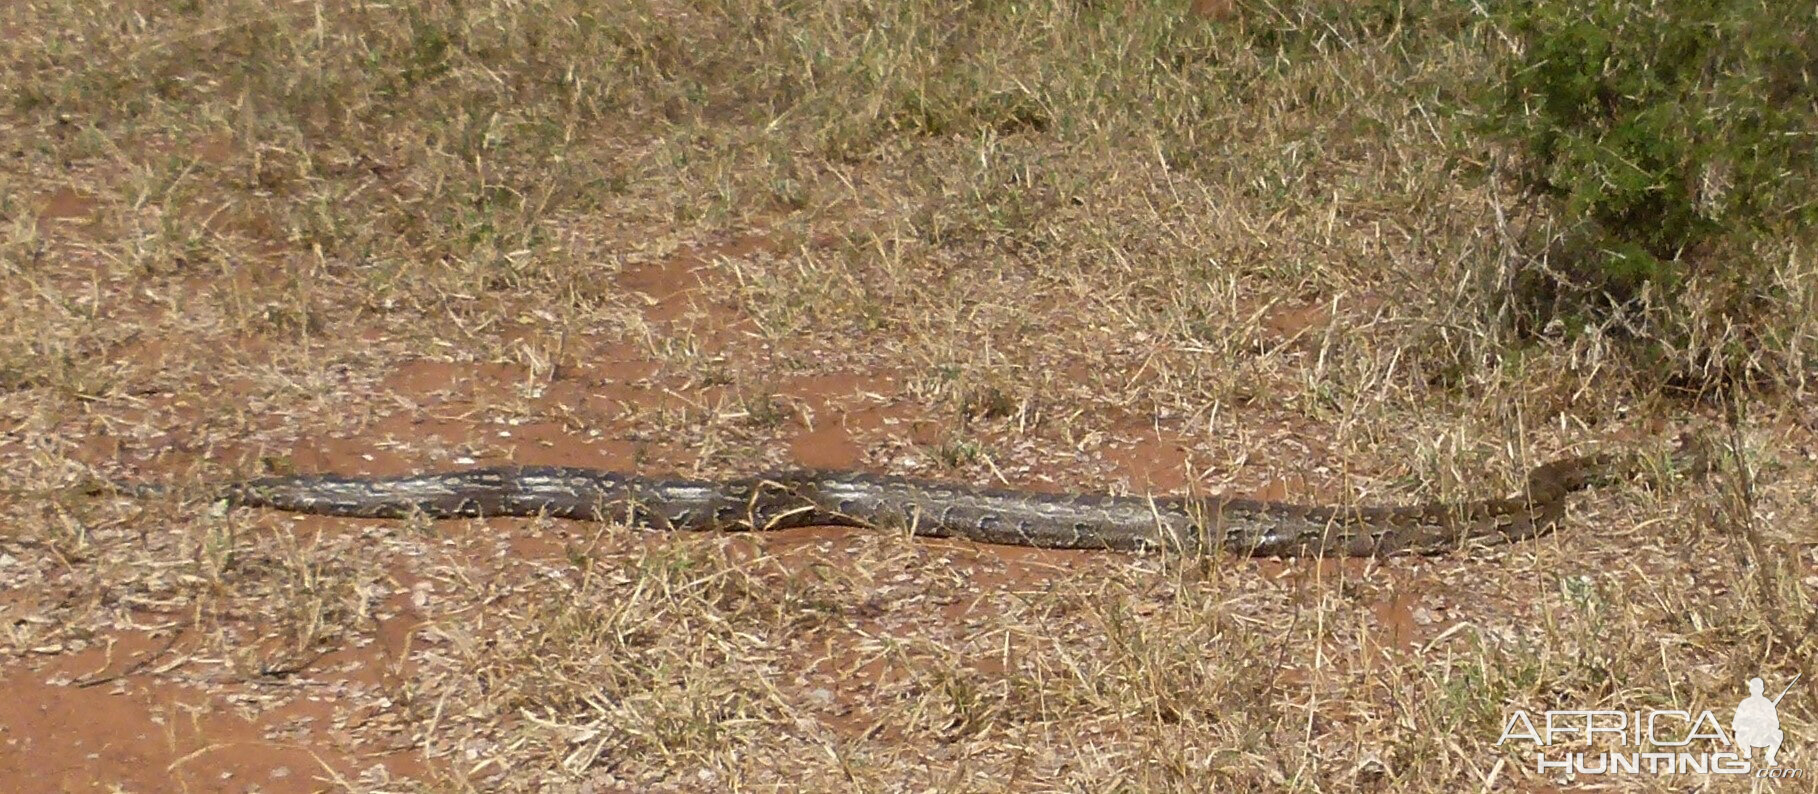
pixel 1695 456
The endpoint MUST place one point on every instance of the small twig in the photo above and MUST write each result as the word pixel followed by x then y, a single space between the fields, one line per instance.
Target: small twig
pixel 139 665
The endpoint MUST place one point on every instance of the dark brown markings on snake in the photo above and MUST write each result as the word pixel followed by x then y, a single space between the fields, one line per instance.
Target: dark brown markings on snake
pixel 790 499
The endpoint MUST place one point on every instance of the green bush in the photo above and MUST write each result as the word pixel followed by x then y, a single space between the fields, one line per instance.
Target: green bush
pixel 1670 144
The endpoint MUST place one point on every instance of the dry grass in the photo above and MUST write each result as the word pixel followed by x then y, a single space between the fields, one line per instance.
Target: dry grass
pixel 1062 245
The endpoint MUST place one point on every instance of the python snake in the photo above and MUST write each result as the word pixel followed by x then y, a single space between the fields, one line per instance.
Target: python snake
pixel 932 509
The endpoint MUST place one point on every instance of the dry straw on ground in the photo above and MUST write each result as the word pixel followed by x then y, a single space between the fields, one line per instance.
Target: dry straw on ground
pixel 1064 245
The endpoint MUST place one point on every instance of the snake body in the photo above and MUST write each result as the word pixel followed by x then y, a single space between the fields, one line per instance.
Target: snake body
pixel 934 509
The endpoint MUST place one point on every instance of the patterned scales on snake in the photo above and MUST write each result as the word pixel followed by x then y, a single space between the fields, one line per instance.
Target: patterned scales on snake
pixel 931 509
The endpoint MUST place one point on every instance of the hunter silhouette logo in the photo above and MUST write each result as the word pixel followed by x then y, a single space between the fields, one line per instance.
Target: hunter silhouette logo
pixel 1657 741
pixel 1757 722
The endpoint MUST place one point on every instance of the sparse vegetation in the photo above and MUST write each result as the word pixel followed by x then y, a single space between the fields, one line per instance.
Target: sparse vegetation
pixel 1067 245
